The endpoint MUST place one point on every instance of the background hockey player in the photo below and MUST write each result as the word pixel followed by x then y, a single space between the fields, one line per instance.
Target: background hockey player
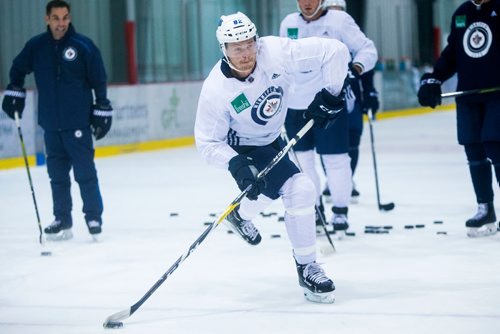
pixel 241 110
pixel 313 19
pixel 473 52
pixel 67 67
pixel 366 98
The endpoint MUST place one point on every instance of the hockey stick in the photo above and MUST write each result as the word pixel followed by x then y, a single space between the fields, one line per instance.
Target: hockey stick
pixel 25 156
pixel 381 207
pixel 114 320
pixel 472 91
pixel 316 208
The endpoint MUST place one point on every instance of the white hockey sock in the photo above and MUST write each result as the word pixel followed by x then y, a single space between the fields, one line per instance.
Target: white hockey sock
pixel 249 209
pixel 307 160
pixel 298 196
pixel 339 178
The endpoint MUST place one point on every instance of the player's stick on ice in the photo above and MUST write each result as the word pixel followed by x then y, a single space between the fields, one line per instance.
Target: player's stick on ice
pixel 44 252
pixel 115 320
pixel 381 207
pixel 472 91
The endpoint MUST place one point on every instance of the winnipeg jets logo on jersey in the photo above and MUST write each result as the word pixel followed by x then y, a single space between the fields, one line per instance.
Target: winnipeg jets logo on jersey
pixel 267 105
pixel 477 40
pixel 70 53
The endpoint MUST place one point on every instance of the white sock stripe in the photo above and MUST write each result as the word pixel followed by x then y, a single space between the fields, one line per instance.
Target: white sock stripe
pixel 15 93
pixel 300 211
pixel 304 251
pixel 103 113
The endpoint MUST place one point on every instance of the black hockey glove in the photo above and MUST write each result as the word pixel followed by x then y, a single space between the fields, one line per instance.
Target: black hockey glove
pixel 429 93
pixel 325 108
pixel 100 120
pixel 370 101
pixel 245 173
pixel 14 100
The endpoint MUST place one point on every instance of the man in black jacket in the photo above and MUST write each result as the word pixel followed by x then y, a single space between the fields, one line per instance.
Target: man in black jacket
pixel 473 52
pixel 67 68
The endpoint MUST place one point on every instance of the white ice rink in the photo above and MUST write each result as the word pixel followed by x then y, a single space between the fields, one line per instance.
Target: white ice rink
pixel 408 281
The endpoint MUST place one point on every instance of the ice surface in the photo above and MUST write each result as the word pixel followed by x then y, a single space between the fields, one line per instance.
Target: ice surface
pixel 408 281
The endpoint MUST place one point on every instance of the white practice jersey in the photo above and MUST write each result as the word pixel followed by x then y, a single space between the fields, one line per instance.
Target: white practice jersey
pixel 334 24
pixel 253 111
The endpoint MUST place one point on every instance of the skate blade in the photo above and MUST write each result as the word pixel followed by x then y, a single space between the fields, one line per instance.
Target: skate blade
pixel 486 230
pixel 322 298
pixel 95 237
pixel 61 236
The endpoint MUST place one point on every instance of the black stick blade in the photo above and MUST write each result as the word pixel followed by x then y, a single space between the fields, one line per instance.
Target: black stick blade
pixel 386 207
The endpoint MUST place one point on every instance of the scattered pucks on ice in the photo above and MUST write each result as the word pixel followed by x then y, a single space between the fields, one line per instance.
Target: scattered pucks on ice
pixel 420 225
pixel 438 222
pixel 173 214
pixel 275 236
pixel 441 232
pixel 281 219
pixel 409 227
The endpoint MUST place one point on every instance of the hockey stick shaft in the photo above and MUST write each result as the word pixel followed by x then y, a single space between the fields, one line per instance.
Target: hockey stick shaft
pixel 316 208
pixel 116 317
pixel 26 163
pixel 385 207
pixel 472 91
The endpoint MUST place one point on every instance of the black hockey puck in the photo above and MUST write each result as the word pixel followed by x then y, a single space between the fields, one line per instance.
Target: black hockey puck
pixel 441 232
pixel 438 222
pixel 409 227
pixel 212 214
pixel 173 214
pixel 45 253
pixel 230 232
pixel 281 219
pixel 265 215
pixel 113 324
pixel 275 236
pixel 350 234
pixel 207 223
pixel 388 227
pixel 376 231
pixel 371 227
pixel 420 225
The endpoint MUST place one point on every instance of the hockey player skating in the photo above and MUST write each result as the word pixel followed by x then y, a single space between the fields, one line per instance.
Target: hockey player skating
pixel 67 68
pixel 314 19
pixel 241 110
pixel 473 52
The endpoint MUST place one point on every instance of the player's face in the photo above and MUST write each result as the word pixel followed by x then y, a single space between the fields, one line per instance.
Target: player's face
pixel 243 55
pixel 58 21
pixel 308 7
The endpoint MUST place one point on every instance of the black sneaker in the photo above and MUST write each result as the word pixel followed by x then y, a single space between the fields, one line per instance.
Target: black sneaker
pixel 484 221
pixel 317 286
pixel 244 228
pixel 58 230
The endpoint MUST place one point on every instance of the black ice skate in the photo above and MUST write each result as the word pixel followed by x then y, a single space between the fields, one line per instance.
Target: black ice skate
pixel 317 286
pixel 244 228
pixel 94 227
pixel 483 223
pixel 320 218
pixel 339 221
pixel 58 231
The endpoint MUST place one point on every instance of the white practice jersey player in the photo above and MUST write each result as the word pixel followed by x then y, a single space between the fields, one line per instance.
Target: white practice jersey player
pixel 252 111
pixel 333 24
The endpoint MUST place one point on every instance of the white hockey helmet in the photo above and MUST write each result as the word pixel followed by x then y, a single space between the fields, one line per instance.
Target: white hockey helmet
pixel 339 3
pixel 235 28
